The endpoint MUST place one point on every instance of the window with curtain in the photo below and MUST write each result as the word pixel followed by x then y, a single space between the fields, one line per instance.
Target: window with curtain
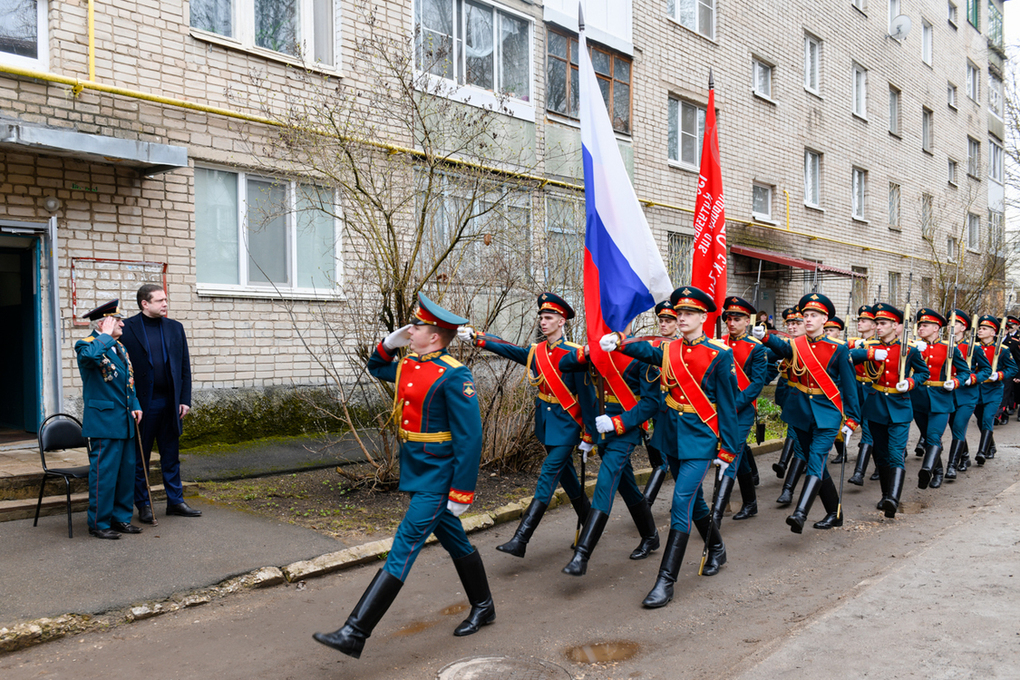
pixel 812 178
pixel 697 15
pixel 686 132
pixel 812 63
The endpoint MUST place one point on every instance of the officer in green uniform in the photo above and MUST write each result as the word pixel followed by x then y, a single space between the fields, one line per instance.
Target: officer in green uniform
pixel 110 413
pixel 1002 368
pixel 441 428
pixel 965 397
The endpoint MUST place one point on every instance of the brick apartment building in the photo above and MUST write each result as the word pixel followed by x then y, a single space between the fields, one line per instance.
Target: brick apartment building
pixel 854 153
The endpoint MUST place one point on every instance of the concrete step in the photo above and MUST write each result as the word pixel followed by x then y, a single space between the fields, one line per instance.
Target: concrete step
pixel 21 472
pixel 24 508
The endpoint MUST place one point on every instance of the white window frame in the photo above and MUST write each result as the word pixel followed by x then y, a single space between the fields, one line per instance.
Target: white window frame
pixel 862 5
pixel 859 91
pixel 973 81
pixel 951 95
pixel 42 61
pixel 895 102
pixel 291 291
pixel 812 176
pixel 973 158
pixel 895 199
pixel 996 161
pixel 996 232
pixel 894 11
pixel 973 232
pixel 953 171
pixel 858 193
pixel 927 214
pixel 769 193
pixel 759 67
pixel 952 13
pixel 243 22
pixel 995 96
pixel 477 96
pixel 673 12
pixel 952 248
pixel 927 130
pixel 927 37
pixel 810 42
pixel 699 135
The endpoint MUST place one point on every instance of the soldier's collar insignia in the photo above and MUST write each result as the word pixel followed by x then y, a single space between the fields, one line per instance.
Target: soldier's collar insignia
pixel 430 356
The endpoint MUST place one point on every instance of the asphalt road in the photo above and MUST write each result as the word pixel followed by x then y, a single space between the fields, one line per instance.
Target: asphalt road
pixel 929 594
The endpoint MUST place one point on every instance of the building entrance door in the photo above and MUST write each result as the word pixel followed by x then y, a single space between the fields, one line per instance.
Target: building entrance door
pixel 21 337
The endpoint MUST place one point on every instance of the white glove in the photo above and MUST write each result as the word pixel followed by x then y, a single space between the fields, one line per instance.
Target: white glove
pixel 585 450
pixel 722 465
pixel 457 508
pixel 949 385
pixel 466 334
pixel 847 433
pixel 921 345
pixel 759 331
pixel 994 377
pixel 859 343
pixel 881 354
pixel 969 381
pixel 903 386
pixel 398 338
pixel 604 424
pixel 609 342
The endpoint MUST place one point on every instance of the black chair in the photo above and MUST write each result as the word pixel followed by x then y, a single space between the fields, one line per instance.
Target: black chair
pixel 58 432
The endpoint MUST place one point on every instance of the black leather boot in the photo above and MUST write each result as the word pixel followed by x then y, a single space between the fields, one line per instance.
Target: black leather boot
pixel 863 456
pixel 784 458
pixel 645 523
pixel 716 556
pixel 797 468
pixel 884 479
pixel 754 465
pixel 932 455
pixel 747 496
pixel 655 481
pixel 472 576
pixel 937 474
pixel 798 519
pixel 964 462
pixel 582 506
pixel 722 499
pixel 983 447
pixel 517 545
pixel 830 501
pixel 991 449
pixel 672 556
pixel 590 535
pixel 350 639
pixel 891 504
pixel 840 451
pixel 921 447
pixel 954 459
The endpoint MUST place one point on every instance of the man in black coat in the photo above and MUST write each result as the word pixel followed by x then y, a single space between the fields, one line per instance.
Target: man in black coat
pixel 159 352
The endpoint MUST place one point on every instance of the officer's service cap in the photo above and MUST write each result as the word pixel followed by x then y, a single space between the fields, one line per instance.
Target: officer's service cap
pixel 928 315
pixel 111 308
pixel 817 302
pixel 551 302
pixel 792 314
pixel 883 310
pixel 665 308
pixel 963 317
pixel 835 322
pixel 431 314
pixel 865 312
pixel 1012 319
pixel 692 299
pixel 990 321
pixel 737 305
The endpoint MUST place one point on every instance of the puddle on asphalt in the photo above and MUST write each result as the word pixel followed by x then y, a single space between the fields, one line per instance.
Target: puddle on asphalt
pixel 454 609
pixel 413 628
pixel 602 652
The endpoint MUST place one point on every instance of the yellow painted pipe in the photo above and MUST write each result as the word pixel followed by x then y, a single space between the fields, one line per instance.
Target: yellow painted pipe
pixel 92 40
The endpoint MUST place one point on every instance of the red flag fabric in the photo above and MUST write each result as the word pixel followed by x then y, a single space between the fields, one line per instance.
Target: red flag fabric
pixel 708 265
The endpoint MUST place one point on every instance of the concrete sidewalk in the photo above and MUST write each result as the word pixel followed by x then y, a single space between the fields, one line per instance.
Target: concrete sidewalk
pixel 948 611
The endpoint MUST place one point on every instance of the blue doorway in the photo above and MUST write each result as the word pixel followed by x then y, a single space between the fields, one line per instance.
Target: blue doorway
pixel 21 402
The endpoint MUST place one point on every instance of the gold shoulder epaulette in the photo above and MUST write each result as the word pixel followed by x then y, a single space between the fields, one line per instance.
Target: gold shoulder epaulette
pixel 89 338
pixel 838 341
pixel 451 361
pixel 571 345
pixel 718 343
pixel 751 338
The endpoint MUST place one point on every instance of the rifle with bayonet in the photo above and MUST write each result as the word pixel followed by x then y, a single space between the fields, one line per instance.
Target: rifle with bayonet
pixel 907 325
pixel 759 427
pixel 951 340
pixel 1001 335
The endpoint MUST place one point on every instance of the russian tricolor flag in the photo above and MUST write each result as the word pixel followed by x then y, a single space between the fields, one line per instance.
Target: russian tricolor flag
pixel 624 274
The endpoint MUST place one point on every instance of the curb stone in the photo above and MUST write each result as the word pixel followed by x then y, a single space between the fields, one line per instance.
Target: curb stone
pixel 30 633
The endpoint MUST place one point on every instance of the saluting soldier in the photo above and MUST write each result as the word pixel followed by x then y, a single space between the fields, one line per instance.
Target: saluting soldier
pixel 888 408
pixel 750 361
pixel 822 403
pixel 441 428
pixel 661 433
pixel 866 331
pixel 631 399
pixel 1002 368
pixel 558 422
pixel 700 386
pixel 965 396
pixel 792 461
pixel 933 399
pixel 111 412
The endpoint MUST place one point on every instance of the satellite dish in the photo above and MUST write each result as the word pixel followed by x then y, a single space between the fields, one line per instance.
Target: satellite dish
pixel 899 27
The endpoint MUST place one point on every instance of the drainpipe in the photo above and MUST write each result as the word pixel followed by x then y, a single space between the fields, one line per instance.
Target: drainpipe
pixel 58 331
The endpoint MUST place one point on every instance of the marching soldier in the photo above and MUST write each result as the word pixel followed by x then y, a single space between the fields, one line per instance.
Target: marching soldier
pixel 1002 368
pixel 888 408
pixel 661 435
pixel 822 403
pixel 631 399
pixel 437 405
pixel 750 361
pixel 1009 386
pixel 834 327
pixel 866 328
pixel 697 376
pixel 792 461
pixel 965 396
pixel 933 399
pixel 558 422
